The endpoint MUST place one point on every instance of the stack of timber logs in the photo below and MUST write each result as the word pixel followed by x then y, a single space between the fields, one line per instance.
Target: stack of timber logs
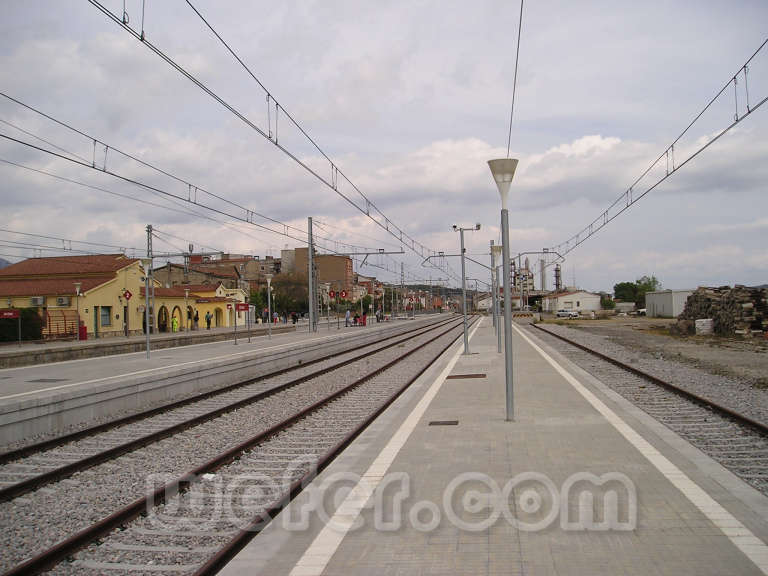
pixel 738 310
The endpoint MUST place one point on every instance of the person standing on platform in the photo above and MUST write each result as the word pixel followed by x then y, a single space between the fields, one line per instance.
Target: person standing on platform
pixel 197 321
pixel 346 318
pixel 174 324
pixel 208 317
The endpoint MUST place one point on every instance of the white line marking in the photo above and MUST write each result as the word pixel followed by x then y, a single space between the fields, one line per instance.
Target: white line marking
pixel 754 548
pixel 319 553
pixel 159 368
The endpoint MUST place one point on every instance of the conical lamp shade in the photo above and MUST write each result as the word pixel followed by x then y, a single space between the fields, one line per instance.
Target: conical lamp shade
pixel 503 170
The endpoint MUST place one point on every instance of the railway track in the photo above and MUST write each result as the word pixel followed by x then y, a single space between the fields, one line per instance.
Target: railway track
pixel 289 434
pixel 736 441
pixel 36 465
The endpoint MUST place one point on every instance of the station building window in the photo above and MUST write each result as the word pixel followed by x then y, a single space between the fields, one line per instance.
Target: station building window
pixel 105 315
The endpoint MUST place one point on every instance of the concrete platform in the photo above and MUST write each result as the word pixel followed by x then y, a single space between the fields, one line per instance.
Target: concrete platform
pixel 488 496
pixel 50 397
pixel 13 355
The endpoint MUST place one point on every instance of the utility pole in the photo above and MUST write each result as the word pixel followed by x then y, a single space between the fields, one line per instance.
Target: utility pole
pixel 402 285
pixel 461 230
pixel 147 283
pixel 311 273
pixel 493 287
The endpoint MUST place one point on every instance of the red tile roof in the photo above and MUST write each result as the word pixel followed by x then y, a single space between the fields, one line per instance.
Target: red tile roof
pixel 173 292
pixel 101 264
pixel 203 299
pixel 201 287
pixel 49 286
pixel 216 272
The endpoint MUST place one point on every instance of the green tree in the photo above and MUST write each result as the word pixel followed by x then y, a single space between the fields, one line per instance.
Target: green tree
pixel 645 284
pixel 606 302
pixel 635 291
pixel 625 291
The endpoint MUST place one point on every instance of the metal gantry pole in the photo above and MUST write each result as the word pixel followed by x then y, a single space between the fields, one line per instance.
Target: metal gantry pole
pixel 147 278
pixel 507 317
pixel 311 274
pixel 493 288
pixel 464 293
pixel 498 313
pixel 269 305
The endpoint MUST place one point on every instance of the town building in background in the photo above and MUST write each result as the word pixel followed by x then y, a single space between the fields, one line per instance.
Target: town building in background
pixel 666 303
pixel 102 290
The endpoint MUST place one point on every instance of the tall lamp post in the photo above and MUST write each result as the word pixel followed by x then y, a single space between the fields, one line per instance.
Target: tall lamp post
pixel 503 170
pixel 77 306
pixel 464 283
pixel 269 302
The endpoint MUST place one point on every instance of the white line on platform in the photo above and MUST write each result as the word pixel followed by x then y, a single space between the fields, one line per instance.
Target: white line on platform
pixel 159 368
pixel 319 553
pixel 754 548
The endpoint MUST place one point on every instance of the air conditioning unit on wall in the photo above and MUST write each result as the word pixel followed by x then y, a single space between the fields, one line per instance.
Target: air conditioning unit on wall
pixel 37 301
pixel 63 301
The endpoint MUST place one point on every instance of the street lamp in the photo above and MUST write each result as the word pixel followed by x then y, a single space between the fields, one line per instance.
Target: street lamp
pixel 77 307
pixel 503 170
pixel 464 283
pixel 269 302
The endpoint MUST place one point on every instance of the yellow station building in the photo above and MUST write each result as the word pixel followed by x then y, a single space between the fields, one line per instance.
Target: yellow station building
pixel 106 293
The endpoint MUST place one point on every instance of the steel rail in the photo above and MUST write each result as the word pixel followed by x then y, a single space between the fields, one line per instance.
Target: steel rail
pixel 693 397
pixel 20 488
pixel 239 541
pixel 24 451
pixel 65 548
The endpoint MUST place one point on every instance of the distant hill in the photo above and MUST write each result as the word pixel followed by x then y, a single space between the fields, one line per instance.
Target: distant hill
pixel 4 263
pixel 761 287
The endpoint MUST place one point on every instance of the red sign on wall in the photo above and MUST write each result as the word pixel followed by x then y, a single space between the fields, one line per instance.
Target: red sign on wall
pixel 8 314
pixel 127 294
pixel 241 307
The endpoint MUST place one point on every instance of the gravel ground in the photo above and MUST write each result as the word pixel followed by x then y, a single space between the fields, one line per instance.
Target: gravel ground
pixel 691 364
pixel 44 517
pixel 185 532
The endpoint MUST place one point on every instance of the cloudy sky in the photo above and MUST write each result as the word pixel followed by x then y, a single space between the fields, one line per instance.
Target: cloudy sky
pixel 410 99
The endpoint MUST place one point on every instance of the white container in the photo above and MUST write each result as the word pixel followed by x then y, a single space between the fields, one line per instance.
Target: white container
pixel 704 326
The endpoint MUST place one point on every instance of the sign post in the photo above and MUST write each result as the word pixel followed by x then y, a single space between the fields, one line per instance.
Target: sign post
pixel 234 324
pixel 240 307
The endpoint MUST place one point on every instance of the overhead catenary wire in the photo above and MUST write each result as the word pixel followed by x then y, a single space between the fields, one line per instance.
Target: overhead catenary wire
pixel 630 196
pixel 249 212
pixel 514 81
pixel 386 224
pixel 151 188
pixel 235 226
pixel 70 240
pixel 190 185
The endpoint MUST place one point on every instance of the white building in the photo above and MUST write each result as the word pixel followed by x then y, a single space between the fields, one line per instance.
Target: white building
pixel 666 303
pixel 485 304
pixel 579 300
